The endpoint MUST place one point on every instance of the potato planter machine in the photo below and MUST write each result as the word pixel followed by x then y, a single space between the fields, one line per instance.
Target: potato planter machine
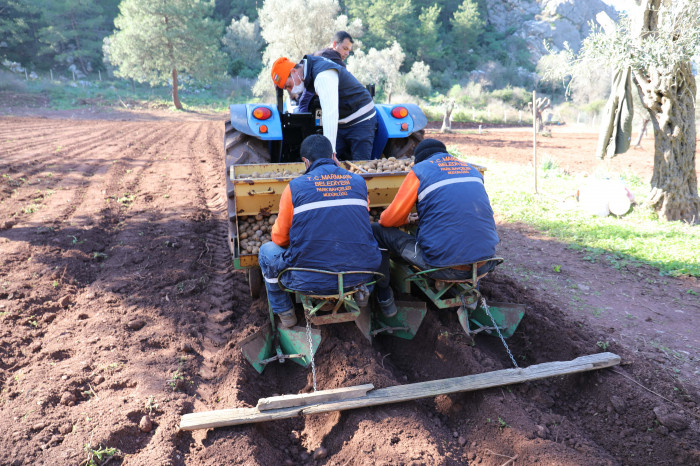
pixel 254 190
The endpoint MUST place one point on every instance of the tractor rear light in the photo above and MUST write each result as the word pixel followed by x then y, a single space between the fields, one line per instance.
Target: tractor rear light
pixel 399 112
pixel 263 128
pixel 262 113
pixel 404 126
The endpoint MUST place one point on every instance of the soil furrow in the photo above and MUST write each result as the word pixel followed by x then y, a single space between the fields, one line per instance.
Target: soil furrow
pixel 63 145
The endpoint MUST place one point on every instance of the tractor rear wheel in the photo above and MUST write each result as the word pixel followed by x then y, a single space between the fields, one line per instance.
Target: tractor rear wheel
pixel 240 149
pixel 404 147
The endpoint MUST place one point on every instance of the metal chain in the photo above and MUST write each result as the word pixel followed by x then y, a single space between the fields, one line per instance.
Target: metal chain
pixel 311 352
pixel 486 308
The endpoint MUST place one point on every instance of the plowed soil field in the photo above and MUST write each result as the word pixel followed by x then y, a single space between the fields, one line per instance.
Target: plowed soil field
pixel 120 311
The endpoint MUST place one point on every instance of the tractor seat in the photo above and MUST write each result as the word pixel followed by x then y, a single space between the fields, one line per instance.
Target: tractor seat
pixel 328 307
pixel 340 291
pixel 478 271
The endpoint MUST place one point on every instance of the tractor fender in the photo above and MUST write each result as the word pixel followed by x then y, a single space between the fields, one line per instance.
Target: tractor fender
pixel 419 118
pixel 415 120
pixel 268 129
pixel 389 127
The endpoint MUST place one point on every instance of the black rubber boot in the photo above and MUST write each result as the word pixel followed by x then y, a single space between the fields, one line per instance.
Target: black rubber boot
pixel 387 306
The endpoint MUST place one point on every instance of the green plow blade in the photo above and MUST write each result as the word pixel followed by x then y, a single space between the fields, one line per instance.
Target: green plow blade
pixel 404 324
pixel 295 341
pixel 506 316
pixel 260 348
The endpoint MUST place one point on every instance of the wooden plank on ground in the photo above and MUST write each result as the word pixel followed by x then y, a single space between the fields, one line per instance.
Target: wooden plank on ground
pixel 321 396
pixel 399 393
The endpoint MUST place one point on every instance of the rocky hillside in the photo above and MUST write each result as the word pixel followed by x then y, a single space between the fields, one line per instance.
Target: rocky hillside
pixel 551 21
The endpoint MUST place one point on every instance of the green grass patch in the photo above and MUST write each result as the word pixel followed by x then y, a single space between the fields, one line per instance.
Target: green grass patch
pixel 123 94
pixel 620 242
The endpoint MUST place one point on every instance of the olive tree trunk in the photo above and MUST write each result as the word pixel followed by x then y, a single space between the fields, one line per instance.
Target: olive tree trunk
pixel 669 97
pixel 447 117
pixel 176 98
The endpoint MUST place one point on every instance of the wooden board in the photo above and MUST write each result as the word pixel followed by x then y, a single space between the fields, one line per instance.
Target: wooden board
pixel 396 394
pixel 322 396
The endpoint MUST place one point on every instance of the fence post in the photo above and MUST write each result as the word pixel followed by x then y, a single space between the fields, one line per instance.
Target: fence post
pixel 51 74
pixel 26 76
pixel 73 75
pixel 99 73
pixel 534 135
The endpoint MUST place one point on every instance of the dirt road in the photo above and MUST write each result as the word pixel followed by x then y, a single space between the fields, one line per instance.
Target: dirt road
pixel 120 311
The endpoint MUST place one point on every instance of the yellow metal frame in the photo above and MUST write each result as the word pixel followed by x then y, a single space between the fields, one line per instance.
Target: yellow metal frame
pixel 260 195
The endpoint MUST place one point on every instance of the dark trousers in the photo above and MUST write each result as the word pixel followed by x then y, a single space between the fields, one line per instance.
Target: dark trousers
pixel 399 244
pixel 355 142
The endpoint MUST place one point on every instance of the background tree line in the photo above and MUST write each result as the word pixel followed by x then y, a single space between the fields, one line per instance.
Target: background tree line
pixel 450 36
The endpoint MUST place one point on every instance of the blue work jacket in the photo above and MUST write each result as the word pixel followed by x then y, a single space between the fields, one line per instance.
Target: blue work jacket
pixel 456 224
pixel 352 96
pixel 330 229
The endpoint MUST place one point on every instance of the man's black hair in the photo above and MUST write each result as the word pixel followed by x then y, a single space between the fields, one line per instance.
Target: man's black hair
pixel 340 36
pixel 316 147
pixel 426 148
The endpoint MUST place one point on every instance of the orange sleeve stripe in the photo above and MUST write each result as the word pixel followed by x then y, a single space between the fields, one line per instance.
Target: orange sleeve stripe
pixel 280 230
pixel 397 213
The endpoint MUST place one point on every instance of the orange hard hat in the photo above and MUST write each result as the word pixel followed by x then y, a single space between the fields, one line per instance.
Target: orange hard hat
pixel 280 71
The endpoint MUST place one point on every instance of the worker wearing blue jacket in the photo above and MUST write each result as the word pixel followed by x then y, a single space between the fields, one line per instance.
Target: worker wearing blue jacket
pixel 456 227
pixel 323 223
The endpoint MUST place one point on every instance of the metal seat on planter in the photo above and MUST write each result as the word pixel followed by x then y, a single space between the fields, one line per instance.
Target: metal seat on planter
pixel 322 309
pixel 464 289
pixel 474 314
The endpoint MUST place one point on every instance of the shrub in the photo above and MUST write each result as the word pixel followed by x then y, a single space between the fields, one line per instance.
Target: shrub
pixel 11 82
pixel 516 97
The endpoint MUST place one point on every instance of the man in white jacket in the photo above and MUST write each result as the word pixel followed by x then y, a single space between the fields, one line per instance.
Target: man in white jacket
pixel 348 116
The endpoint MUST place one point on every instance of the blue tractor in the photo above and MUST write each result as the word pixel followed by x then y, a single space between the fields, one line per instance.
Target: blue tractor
pixel 265 133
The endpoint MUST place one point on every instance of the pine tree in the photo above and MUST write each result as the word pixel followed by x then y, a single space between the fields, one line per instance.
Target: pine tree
pixel 386 21
pixel 73 30
pixel 467 25
pixel 156 40
pixel 19 22
pixel 428 38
